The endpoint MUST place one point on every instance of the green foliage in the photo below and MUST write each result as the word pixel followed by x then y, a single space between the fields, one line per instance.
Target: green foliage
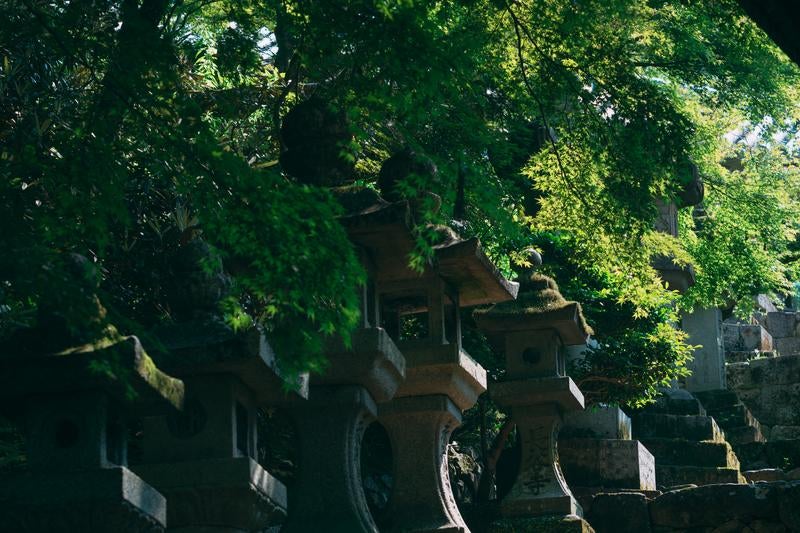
pixel 639 349
pixel 130 128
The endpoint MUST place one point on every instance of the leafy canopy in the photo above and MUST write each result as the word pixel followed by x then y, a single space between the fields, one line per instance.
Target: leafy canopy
pixel 130 128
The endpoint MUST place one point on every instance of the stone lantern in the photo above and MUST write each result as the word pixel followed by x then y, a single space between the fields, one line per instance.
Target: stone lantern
pixel 420 312
pixel 342 402
pixel 204 459
pixel 532 333
pixel 73 406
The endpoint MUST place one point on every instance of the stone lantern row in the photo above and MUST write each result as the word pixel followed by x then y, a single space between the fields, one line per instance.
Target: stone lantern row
pixel 405 368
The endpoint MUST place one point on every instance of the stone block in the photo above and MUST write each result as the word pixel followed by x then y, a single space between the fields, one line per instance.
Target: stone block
pixel 788 346
pixel 764 474
pixel 776 370
pixel 671 476
pixel 609 463
pixel 789 505
pixel 621 511
pixel 372 360
pixel 692 427
pixel 692 453
pixel 781 324
pixel 708 365
pixel 764 303
pixel 738 375
pixel 740 357
pixel 598 421
pixel 746 337
pixel 103 500
pixel 712 505
pixel 550 524
pixel 236 492
pixel 785 433
pixel 444 369
pixel 744 435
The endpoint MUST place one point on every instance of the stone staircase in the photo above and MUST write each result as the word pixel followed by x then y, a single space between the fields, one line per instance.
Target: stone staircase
pixel 688 445
pixel 739 424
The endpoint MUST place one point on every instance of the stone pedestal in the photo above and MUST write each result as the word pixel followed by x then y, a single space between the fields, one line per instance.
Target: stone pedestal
pixel 598 421
pixel 328 492
pixel 708 366
pixel 441 382
pixel 73 408
pixel 203 460
pixel 536 406
pixel 607 464
pixel 419 429
pixel 597 453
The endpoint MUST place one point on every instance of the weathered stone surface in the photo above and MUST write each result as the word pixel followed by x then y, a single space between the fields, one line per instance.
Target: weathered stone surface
pixel 789 505
pixel 765 474
pixel 598 421
pixel 620 512
pixel 770 388
pixel 75 369
pixel 692 453
pixel 444 369
pixel 106 500
pixel 234 492
pixel 327 492
pixel 422 499
pixel 708 365
pixel 712 505
pixel 675 401
pixel 662 425
pixel 672 476
pixel 784 454
pixel 785 433
pixel 781 323
pixel 788 345
pixel 746 337
pixel 543 524
pixel 371 361
pixel 610 463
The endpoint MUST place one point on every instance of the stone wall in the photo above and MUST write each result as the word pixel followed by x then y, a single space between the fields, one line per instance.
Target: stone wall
pixel 770 388
pixel 758 508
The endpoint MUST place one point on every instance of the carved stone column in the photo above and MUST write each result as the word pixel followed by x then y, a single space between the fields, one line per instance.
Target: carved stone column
pixel 536 407
pixel 419 429
pixel 441 381
pixel 328 494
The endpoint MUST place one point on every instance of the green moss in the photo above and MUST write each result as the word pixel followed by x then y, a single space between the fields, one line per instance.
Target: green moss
pixel 539 295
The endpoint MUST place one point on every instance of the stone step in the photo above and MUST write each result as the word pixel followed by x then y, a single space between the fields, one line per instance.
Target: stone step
pixel 675 406
pixel 734 416
pixel 691 453
pixel 783 454
pixel 717 399
pixel 744 435
pixel 670 476
pixel 666 426
pixel 743 357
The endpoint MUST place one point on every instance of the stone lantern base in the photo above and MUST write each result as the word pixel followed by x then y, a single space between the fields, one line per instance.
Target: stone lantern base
pixel 233 493
pixel 102 500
